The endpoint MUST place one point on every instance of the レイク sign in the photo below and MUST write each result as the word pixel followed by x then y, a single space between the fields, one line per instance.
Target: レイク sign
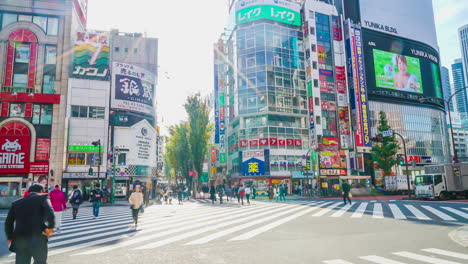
pixel 14 154
pixel 271 12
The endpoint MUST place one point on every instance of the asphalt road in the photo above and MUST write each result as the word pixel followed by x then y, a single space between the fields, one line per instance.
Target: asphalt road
pixel 292 232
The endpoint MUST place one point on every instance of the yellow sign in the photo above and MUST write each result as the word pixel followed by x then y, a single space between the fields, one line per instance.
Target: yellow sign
pixel 253 167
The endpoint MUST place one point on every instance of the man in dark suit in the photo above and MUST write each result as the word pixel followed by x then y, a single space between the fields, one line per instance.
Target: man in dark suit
pixel 29 223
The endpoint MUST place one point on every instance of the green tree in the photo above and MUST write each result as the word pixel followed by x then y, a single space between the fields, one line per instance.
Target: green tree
pixel 383 152
pixel 199 130
pixel 177 152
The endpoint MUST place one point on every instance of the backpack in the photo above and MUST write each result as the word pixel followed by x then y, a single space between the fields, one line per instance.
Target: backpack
pixel 76 198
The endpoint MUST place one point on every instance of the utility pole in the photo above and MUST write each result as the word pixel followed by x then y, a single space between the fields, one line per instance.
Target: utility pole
pixel 406 163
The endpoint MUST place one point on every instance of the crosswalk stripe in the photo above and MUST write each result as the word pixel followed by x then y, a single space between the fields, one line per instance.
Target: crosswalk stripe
pixel 446 253
pixel 378 211
pixel 270 226
pixel 419 215
pixel 360 211
pixel 440 214
pixel 397 213
pixel 336 261
pixel 465 208
pixel 381 260
pixel 342 210
pixel 326 210
pixel 219 234
pixel 423 258
pixel 457 212
pixel 194 224
pixel 206 229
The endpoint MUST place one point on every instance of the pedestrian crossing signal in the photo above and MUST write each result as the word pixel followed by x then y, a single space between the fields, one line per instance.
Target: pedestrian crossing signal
pixel 90 172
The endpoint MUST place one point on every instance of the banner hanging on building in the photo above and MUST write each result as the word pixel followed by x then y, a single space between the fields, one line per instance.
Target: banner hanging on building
pixel 91 56
pixel 14 153
pixel 255 163
pixel 132 88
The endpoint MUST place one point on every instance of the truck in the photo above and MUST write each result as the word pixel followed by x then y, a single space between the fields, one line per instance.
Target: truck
pixel 397 183
pixel 442 181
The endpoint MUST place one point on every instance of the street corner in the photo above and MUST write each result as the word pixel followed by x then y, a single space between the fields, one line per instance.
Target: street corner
pixel 460 236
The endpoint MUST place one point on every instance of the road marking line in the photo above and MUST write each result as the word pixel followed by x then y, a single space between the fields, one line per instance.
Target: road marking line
pixel 173 239
pixel 211 237
pixel 417 213
pixel 380 260
pixel 373 201
pixel 378 211
pixel 326 210
pixel 465 208
pixel 270 226
pixel 360 211
pixel 457 212
pixel 392 200
pixel 194 224
pixel 337 261
pixel 440 214
pixel 343 210
pixel 423 258
pixel 446 253
pixel 397 213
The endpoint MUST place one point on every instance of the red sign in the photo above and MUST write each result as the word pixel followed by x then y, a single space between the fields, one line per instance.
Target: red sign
pixel 14 153
pixel 253 143
pixel 290 142
pixel 243 143
pixel 415 158
pixel 281 142
pixel 213 155
pixel 39 167
pixel 263 141
pixel 298 143
pixel 311 104
pixel 42 149
pixel 273 141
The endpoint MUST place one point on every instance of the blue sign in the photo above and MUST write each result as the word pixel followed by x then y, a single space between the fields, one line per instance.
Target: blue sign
pixel 131 89
pixel 253 167
pixel 216 105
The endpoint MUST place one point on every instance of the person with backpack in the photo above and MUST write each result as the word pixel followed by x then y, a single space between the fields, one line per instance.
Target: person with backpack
pixel 220 193
pixel 59 204
pixel 212 194
pixel 136 202
pixel 346 188
pixel 242 193
pixel 75 199
pixel 96 197
pixel 282 193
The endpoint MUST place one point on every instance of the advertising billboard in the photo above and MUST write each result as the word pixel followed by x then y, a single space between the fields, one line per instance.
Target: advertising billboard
pixel 401 69
pixel 140 140
pixel 401 18
pixel 277 10
pixel 133 88
pixel 91 56
pixel 14 153
pixel 255 162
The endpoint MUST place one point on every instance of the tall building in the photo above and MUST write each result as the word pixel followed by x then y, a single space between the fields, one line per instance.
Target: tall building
pixel 463 39
pixel 446 87
pixel 459 80
pixel 33 89
pixel 263 93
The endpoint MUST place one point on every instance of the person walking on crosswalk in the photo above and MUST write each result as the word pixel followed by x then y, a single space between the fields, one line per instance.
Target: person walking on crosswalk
pixel 136 202
pixel 212 194
pixel 220 193
pixel 236 193
pixel 96 197
pixel 59 204
pixel 248 191
pixel 346 188
pixel 282 193
pixel 75 199
pixel 228 193
pixel 180 194
pixel 242 193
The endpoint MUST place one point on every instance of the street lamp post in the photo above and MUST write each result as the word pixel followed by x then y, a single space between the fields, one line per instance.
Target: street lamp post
pixel 98 144
pixel 406 162
pixel 447 101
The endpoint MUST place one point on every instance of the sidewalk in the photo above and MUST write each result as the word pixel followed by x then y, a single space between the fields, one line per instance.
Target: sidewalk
pixel 460 236
pixel 117 203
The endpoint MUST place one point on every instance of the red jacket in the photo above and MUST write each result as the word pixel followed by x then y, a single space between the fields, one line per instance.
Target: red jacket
pixel 59 203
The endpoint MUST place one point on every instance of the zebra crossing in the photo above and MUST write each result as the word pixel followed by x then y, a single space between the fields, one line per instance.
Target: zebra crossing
pixel 427 255
pixel 194 223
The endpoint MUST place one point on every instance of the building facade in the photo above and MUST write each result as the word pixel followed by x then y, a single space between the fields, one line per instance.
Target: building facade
pixel 459 80
pixel 34 80
pixel 463 40
pixel 447 88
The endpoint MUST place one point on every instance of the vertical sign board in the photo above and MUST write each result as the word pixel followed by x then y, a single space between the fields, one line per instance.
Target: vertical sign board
pixel 216 91
pixel 362 90
pixel 81 8
pixel 132 88
pixel 42 149
pixel 91 56
pixel 14 153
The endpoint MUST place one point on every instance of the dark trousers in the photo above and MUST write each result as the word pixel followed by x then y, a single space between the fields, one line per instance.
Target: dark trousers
pixel 346 197
pixel 135 213
pixel 248 198
pixel 96 206
pixel 27 248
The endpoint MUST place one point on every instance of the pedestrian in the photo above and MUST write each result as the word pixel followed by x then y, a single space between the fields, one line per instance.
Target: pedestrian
pixel 242 193
pixel 212 194
pixel 276 193
pixel 186 192
pixel 136 202
pixel 346 188
pixel 228 193
pixel 299 188
pixel 254 192
pixel 236 193
pixel 282 193
pixel 96 197
pixel 59 204
pixel 75 199
pixel 29 223
pixel 220 193
pixel 180 194
pixel 248 191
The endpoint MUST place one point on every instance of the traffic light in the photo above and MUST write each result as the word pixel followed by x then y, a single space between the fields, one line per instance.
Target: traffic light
pixel 302 171
pixel 400 159
pixel 90 172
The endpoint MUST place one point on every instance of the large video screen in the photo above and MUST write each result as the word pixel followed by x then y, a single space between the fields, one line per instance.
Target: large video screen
pixel 397 72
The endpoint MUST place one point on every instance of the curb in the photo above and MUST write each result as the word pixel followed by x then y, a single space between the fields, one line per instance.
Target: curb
pixel 460 236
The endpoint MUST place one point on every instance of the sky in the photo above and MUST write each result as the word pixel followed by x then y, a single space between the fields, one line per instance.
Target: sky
pixel 187 30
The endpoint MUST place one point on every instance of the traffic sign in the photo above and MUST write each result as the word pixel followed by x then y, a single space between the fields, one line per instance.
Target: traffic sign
pixel 387 133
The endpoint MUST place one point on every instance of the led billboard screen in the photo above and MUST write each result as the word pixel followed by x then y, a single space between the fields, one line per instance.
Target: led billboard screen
pixel 397 72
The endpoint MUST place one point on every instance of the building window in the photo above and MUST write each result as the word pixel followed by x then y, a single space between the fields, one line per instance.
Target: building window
pixel 126 50
pixel 116 49
pixel 122 159
pixel 17 110
pixel 312 31
pixel 76 158
pixel 314 65
pixel 21 65
pixel 41 21
pixel 42 114
pixel 135 50
pixel 8 19
pixel 92 159
pixel 316 83
pixel 311 14
pixel 93 112
pixel 317 120
pixel 314 48
pixel 52 26
pixel 317 101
